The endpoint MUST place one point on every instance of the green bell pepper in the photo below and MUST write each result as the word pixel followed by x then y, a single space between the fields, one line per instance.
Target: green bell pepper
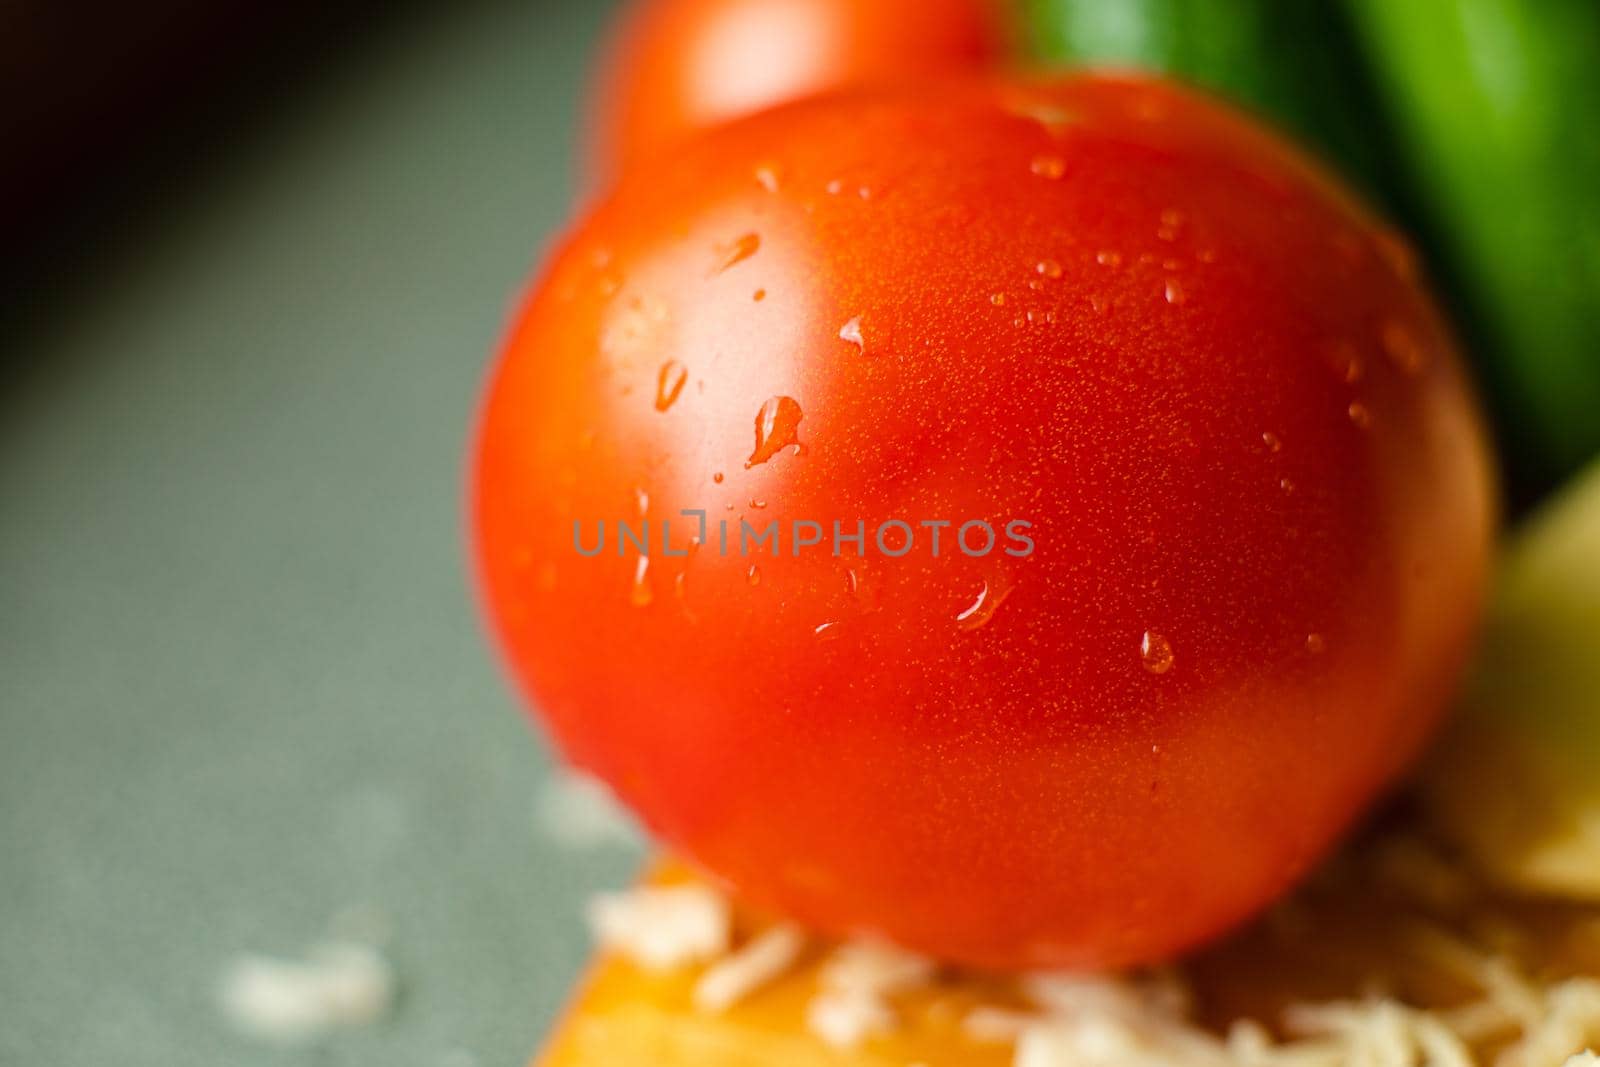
pixel 1294 61
pixel 1498 101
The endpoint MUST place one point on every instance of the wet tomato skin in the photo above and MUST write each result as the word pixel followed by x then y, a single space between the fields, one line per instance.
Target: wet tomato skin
pixel 1256 478
pixel 675 67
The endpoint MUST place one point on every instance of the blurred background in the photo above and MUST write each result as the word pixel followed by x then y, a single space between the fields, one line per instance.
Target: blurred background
pixel 256 258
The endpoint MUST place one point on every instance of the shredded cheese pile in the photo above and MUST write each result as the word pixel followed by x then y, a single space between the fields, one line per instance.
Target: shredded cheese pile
pixel 662 928
pixel 763 959
pixel 855 986
pixel 1505 1016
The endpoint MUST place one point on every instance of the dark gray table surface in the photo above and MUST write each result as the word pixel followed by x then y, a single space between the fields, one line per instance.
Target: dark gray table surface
pixel 243 689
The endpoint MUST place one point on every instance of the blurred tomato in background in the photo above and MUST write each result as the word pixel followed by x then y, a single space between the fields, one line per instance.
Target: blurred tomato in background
pixel 675 67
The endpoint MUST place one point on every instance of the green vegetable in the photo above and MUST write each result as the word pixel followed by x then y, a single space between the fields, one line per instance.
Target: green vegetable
pixel 1499 101
pixel 1516 780
pixel 1294 61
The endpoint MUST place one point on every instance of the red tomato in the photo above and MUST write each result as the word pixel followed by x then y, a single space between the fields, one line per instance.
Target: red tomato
pixel 1257 484
pixel 679 66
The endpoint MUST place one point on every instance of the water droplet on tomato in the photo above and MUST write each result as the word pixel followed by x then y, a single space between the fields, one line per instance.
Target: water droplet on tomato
pixel 1108 259
pixel 777 427
pixel 753 575
pixel 982 609
pixel 739 251
pixel 1174 293
pixel 1360 414
pixel 1344 360
pixel 1286 484
pixel 1051 117
pixel 1155 652
pixel 1171 223
pixel 1402 347
pixel 851 333
pixel 1049 268
pixel 669 383
pixel 827 631
pixel 641 500
pixel 1315 644
pixel 642 594
pixel 1271 440
pixel 1051 167
pixel 998 299
pixel 767 178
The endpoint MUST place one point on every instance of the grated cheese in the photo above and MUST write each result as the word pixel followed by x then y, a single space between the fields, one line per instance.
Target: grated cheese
pixel 761 961
pixel 1381 1032
pixel 856 983
pixel 1570 1022
pixel 1440 1046
pixel 1157 996
pixel 662 928
pixel 339 985
pixel 844 1020
pixel 1085 1043
pixel 1118 1022
pixel 874 967
pixel 1148 1019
